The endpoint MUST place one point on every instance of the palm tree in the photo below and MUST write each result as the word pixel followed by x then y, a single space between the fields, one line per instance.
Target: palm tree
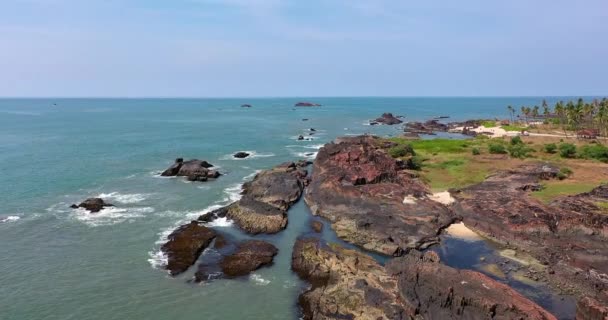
pixel 561 114
pixel 511 111
pixel 535 112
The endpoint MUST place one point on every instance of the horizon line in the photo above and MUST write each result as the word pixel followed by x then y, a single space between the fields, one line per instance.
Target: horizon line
pixel 298 97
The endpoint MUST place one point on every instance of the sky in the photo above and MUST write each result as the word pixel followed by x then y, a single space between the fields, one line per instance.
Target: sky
pixel 275 48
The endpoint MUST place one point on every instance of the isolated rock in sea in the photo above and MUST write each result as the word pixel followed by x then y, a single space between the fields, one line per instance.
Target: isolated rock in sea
pixel 565 243
pixel 245 106
pixel 307 104
pixel 193 170
pixel 241 155
pixel 388 119
pixel 300 137
pixel 92 204
pixel 317 226
pixel 347 284
pixel 371 200
pixel 433 290
pixel 185 246
pixel 249 256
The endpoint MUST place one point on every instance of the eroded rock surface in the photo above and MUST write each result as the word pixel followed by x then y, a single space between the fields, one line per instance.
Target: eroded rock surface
pixel 185 245
pixel 92 205
pixel 567 240
pixel 346 284
pixel 388 119
pixel 371 200
pixel 266 199
pixel 249 256
pixel 193 170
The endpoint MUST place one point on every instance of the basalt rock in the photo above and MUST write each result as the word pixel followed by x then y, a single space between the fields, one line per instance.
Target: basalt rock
pixel 185 245
pixel 432 290
pixel 241 155
pixel 266 199
pixel 307 104
pixel 567 240
pixel 92 205
pixel 371 200
pixel 249 256
pixel 193 170
pixel 346 284
pixel 388 119
pixel 317 226
pixel 428 127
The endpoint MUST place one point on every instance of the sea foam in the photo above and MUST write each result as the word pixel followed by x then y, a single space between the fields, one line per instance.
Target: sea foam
pixel 9 219
pixel 124 198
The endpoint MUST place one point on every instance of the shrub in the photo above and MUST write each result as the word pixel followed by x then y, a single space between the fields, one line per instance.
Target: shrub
pixel 564 173
pixel 496 148
pixel 550 148
pixel 594 151
pixel 520 151
pixel 401 151
pixel 567 150
pixel 414 163
pixel 475 151
pixel 516 140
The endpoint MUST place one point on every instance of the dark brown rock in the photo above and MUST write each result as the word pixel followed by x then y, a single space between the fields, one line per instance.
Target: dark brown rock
pixel 387 119
pixel 194 170
pixel 257 217
pixel 307 104
pixel 317 226
pixel 371 200
pixel 185 245
pixel 241 155
pixel 249 256
pixel 591 309
pixel 92 205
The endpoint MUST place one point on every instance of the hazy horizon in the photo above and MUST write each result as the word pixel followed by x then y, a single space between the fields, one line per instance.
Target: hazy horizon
pixel 318 48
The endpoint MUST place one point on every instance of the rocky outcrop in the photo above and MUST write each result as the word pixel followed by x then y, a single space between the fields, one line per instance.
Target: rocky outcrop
pixel 428 127
pixel 245 106
pixel 185 245
pixel 346 284
pixel 249 256
pixel 307 104
pixel 193 170
pixel 387 119
pixel 566 240
pixel 317 226
pixel 241 155
pixel 371 200
pixel 266 199
pixel 92 205
pixel 432 290
pixel 591 309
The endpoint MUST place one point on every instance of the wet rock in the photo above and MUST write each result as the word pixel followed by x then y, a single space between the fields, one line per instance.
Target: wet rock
pixel 435 291
pixel 185 245
pixel 388 119
pixel 428 127
pixel 194 170
pixel 317 226
pixel 245 106
pixel 92 204
pixel 307 104
pixel 241 155
pixel 362 190
pixel 565 242
pixel 300 137
pixel 249 256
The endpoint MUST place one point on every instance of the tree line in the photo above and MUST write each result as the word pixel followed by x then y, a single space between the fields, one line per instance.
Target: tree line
pixel 571 115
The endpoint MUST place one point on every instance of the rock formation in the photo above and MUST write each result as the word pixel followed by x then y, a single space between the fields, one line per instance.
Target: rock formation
pixel 371 200
pixel 92 205
pixel 249 256
pixel 307 104
pixel 388 119
pixel 184 246
pixel 241 155
pixel 193 170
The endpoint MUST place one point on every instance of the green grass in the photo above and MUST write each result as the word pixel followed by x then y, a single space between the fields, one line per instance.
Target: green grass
pixel 489 123
pixel 603 205
pixel 436 146
pixel 511 127
pixel 553 191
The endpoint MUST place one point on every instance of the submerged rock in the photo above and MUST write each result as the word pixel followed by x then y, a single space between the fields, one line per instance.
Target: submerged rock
pixel 185 246
pixel 92 204
pixel 249 256
pixel 193 170
pixel 317 226
pixel 245 106
pixel 346 284
pixel 388 119
pixel 371 200
pixel 241 155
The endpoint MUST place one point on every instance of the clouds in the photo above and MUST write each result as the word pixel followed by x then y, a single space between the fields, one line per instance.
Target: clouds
pixel 287 47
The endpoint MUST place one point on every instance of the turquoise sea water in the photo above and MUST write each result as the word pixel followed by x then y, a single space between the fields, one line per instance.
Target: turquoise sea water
pixel 58 263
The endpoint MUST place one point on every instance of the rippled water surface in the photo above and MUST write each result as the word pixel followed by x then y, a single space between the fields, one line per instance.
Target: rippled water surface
pixel 58 263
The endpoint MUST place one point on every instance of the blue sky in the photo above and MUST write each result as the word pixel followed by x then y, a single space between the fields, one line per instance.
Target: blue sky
pixel 219 48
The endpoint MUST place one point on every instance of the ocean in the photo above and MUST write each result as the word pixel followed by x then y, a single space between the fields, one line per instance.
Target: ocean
pixel 59 263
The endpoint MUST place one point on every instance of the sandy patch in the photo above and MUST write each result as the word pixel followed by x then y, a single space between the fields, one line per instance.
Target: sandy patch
pixel 460 231
pixel 409 200
pixel 494 132
pixel 442 197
